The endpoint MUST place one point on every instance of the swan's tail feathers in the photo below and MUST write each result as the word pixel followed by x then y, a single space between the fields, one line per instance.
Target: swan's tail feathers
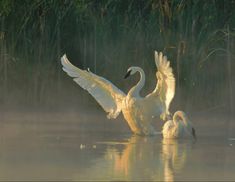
pixel 106 94
pixel 166 81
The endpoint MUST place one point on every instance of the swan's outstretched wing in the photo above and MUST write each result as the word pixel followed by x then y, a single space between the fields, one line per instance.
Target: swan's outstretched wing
pixel 106 94
pixel 165 88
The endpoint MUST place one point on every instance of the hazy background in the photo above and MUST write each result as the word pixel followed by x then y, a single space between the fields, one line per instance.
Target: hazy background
pixel 51 129
pixel 108 36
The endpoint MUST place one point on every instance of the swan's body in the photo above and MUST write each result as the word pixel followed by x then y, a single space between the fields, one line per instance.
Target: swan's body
pixel 138 111
pixel 179 127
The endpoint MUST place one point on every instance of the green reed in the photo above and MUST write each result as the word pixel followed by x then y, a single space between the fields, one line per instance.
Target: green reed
pixel 107 35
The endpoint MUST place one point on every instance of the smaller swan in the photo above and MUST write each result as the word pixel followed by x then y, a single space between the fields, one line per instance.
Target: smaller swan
pixel 179 127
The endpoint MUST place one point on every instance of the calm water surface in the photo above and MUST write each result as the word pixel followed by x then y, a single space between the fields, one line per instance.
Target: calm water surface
pixel 55 146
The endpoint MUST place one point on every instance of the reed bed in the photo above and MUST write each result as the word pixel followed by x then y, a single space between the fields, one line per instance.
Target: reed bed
pixel 111 35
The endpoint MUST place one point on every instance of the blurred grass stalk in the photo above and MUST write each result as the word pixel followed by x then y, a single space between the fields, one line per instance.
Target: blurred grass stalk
pixel 110 36
pixel 229 63
pixel 4 61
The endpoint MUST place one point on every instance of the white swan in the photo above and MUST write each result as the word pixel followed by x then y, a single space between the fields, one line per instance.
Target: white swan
pixel 138 111
pixel 179 127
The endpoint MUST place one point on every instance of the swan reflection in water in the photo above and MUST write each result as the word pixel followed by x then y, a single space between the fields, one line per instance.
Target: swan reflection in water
pixel 145 158
pixel 173 156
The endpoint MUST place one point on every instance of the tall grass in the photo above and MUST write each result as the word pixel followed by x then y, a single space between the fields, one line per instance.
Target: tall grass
pixel 108 35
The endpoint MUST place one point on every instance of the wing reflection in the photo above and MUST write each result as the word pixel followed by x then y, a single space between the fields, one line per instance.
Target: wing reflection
pixel 138 159
pixel 146 158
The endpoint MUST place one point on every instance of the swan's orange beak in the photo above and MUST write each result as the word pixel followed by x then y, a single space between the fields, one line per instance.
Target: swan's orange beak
pixel 127 74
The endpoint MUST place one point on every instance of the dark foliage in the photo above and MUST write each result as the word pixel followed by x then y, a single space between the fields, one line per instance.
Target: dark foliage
pixel 197 36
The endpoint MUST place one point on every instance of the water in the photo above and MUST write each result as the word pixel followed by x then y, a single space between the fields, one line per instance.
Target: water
pixel 85 146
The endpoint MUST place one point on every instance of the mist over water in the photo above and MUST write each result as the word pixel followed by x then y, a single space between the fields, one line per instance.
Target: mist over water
pixel 51 129
pixel 82 146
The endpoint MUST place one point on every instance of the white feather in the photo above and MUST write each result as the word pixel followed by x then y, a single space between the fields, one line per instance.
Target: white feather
pixel 165 87
pixel 138 111
pixel 106 94
pixel 178 127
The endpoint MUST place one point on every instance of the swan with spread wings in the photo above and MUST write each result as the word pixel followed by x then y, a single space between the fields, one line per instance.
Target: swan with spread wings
pixel 139 112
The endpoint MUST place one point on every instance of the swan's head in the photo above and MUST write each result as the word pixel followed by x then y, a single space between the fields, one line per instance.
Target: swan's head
pixel 131 71
pixel 181 116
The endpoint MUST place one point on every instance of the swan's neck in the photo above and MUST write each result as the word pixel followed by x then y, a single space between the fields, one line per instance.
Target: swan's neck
pixel 180 116
pixel 135 91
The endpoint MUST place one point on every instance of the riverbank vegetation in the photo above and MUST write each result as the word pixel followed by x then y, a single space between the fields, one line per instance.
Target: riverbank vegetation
pixel 110 35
